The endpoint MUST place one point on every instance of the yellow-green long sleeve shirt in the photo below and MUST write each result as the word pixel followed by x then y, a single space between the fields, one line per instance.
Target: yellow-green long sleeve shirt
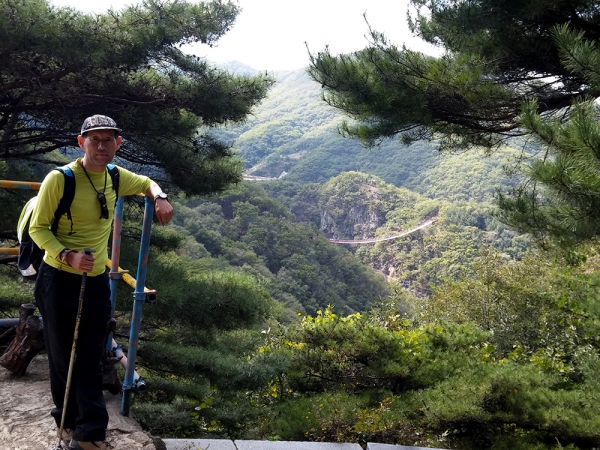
pixel 88 230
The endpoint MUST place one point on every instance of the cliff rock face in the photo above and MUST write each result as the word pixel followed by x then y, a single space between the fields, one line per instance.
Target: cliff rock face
pixel 352 206
pixel 358 222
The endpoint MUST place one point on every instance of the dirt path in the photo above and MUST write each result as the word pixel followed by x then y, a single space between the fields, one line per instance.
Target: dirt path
pixel 26 424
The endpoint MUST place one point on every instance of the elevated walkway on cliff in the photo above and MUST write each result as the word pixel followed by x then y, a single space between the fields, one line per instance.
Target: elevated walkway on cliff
pixel 387 238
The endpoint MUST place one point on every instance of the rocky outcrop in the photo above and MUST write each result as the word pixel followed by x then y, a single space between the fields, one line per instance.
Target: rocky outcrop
pixel 26 424
pixel 358 222
pixel 352 206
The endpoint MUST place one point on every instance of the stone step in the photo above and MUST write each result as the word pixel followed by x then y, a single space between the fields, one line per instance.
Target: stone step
pixel 372 446
pixel 199 444
pixel 224 444
pixel 292 445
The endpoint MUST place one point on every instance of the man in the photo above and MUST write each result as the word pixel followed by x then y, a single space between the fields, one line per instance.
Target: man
pixel 59 278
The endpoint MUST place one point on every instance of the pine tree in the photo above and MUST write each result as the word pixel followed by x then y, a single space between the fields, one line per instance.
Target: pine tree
pixel 562 196
pixel 60 66
pixel 511 68
pixel 498 53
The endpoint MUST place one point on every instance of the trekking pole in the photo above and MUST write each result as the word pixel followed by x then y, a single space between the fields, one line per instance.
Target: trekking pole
pixel 87 251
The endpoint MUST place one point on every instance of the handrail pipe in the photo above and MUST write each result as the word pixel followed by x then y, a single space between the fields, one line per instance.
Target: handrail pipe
pixel 115 254
pixel 139 297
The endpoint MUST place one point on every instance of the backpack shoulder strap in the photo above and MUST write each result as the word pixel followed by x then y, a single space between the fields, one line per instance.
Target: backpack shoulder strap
pixel 113 171
pixel 64 205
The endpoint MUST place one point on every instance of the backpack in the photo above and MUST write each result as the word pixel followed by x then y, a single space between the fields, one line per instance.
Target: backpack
pixel 30 255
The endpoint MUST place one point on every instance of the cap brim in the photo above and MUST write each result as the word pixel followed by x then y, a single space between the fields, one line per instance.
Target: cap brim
pixel 101 128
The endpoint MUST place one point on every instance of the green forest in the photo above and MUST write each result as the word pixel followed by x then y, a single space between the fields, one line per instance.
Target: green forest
pixel 479 331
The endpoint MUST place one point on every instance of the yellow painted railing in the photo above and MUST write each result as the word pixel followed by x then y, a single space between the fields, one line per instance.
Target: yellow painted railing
pixel 8 184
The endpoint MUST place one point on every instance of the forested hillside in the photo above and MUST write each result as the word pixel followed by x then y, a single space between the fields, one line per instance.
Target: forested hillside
pixel 327 180
pixel 294 131
pixel 246 231
pixel 449 248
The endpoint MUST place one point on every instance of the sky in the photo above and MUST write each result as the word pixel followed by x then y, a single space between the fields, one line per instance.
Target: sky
pixel 274 34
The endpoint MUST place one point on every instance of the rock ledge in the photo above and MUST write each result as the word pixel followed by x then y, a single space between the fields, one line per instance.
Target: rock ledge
pixel 26 423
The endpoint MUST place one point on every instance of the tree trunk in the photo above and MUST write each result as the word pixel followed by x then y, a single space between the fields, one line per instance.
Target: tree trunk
pixel 28 342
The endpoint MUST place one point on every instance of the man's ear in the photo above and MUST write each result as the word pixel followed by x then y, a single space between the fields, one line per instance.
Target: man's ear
pixel 119 140
pixel 80 140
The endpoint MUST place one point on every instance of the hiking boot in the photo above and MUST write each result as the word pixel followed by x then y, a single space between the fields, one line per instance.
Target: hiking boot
pixel 95 445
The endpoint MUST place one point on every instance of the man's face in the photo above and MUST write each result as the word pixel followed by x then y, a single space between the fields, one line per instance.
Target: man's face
pixel 99 147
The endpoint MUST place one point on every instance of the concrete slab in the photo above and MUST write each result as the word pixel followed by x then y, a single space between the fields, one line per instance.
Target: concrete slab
pixel 372 446
pixel 293 445
pixel 199 444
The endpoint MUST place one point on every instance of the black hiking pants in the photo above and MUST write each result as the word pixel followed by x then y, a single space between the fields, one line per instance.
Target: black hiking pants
pixel 57 296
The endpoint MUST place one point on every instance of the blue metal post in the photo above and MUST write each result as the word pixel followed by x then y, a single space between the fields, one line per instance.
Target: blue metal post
pixel 139 297
pixel 115 255
pixel 115 276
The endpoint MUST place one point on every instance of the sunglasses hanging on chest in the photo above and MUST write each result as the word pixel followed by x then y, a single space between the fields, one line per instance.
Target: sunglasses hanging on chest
pixel 100 195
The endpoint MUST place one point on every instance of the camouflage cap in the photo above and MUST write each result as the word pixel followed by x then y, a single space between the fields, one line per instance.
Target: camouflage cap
pixel 99 122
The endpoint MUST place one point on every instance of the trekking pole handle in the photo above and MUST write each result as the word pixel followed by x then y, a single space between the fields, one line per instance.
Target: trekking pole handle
pixel 88 252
